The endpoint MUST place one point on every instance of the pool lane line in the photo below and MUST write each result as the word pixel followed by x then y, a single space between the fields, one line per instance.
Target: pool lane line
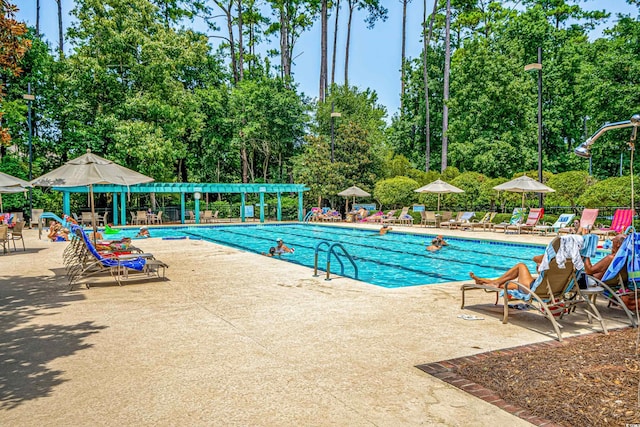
pixel 421 255
pixel 428 256
pixel 375 234
pixel 444 279
pixel 364 258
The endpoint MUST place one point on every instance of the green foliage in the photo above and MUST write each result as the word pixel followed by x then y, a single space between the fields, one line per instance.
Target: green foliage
pixel 609 192
pixel 396 192
pixel 449 174
pixel 569 187
pixel 471 183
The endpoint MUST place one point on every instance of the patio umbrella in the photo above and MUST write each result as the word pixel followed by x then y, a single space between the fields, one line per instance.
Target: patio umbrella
pixel 11 184
pixel 90 169
pixel 524 184
pixel 439 187
pixel 354 192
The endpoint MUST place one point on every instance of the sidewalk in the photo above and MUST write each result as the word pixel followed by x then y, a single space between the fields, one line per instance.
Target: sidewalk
pixel 234 338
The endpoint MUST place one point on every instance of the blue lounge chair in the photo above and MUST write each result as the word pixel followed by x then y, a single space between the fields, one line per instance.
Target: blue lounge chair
pixel 83 260
pixel 622 278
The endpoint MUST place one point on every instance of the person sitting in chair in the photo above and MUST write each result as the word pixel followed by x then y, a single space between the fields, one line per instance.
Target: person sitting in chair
pixel 57 233
pixel 521 274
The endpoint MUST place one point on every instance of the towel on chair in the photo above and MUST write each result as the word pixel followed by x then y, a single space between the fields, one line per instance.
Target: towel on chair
pixel 590 245
pixel 570 247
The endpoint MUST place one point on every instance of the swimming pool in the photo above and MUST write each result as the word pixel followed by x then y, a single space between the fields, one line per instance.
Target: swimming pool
pixel 393 260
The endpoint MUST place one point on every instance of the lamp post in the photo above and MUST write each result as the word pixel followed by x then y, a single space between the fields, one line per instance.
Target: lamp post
pixel 538 66
pixel 29 98
pixel 333 117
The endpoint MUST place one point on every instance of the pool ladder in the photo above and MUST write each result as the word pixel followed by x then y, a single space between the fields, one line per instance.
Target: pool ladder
pixel 332 251
pixel 307 218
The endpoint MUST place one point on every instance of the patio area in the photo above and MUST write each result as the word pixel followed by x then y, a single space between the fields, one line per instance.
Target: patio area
pixel 234 338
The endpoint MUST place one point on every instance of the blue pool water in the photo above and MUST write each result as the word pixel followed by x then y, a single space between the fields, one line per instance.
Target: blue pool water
pixel 393 260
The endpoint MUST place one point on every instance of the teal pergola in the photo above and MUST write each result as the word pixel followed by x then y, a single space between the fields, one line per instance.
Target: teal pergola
pixel 184 188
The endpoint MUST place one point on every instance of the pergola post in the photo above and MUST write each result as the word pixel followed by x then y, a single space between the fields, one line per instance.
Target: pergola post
pixel 279 214
pixel 66 203
pixel 115 209
pixel 196 196
pixel 182 208
pixel 261 205
pixel 300 204
pixel 243 197
pixel 123 208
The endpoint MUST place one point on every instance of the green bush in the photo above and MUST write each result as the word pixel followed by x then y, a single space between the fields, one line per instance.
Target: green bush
pixel 396 192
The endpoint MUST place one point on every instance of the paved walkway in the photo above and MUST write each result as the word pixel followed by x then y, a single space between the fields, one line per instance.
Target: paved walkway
pixel 238 339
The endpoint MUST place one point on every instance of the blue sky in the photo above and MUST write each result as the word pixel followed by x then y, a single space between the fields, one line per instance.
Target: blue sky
pixel 375 54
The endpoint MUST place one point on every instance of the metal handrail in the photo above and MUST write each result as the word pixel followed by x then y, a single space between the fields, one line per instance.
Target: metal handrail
pixel 308 216
pixel 315 259
pixel 332 250
pixel 349 257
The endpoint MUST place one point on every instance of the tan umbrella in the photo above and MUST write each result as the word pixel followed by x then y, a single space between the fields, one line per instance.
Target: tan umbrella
pixel 439 187
pixel 354 192
pixel 11 184
pixel 90 169
pixel 524 184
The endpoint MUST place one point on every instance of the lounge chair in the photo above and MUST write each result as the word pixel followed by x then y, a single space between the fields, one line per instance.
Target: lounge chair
pixel 533 219
pixel 516 218
pixel 450 221
pixel 622 219
pixel 376 217
pixel 207 216
pixel 554 294
pixel 445 216
pixel 587 219
pixel 84 260
pixel 332 216
pixel 462 220
pixel 403 219
pixel 485 222
pixel 623 275
pixel 562 221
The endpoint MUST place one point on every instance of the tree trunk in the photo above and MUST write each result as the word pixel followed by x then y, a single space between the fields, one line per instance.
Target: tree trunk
pixel 403 52
pixel 60 32
pixel 426 41
pixel 335 44
pixel 37 18
pixel 285 47
pixel 447 66
pixel 323 53
pixel 352 6
pixel 245 164
pixel 240 47
pixel 232 45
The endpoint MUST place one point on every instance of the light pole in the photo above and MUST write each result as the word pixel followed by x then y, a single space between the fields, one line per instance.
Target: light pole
pixel 29 98
pixel 538 66
pixel 333 117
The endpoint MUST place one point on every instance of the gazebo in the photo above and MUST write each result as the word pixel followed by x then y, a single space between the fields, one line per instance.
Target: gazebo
pixel 184 188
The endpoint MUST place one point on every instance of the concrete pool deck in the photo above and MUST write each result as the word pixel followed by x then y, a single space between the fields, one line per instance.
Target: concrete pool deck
pixel 234 338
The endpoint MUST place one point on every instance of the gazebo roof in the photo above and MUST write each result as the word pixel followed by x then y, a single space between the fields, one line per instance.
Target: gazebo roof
pixel 188 187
